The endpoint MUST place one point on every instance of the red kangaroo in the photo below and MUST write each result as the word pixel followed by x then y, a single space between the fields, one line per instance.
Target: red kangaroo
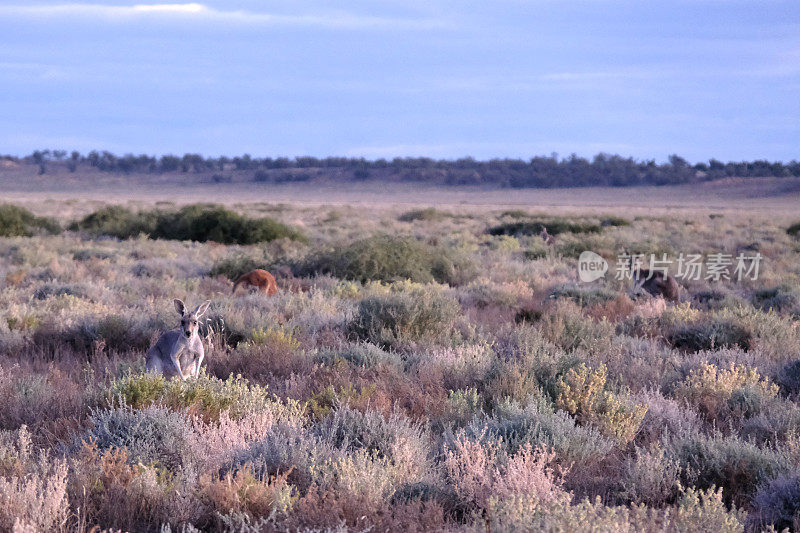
pixel 260 279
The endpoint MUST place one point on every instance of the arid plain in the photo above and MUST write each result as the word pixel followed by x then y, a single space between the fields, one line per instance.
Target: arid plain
pixel 428 363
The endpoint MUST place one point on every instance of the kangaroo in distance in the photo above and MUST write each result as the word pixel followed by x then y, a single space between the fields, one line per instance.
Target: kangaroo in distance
pixel 653 282
pixel 548 239
pixel 258 278
pixel 179 351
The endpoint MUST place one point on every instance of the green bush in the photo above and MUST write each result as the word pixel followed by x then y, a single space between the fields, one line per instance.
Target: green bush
pixel 534 227
pixel 206 396
pixel 387 258
pixel 19 222
pixel 582 393
pixel 407 316
pixel 116 221
pixel 198 222
pixel 614 221
pixel 711 335
pixel 794 229
pixel 428 214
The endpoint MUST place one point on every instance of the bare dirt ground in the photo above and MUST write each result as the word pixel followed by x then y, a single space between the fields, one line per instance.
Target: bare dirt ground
pixel 49 196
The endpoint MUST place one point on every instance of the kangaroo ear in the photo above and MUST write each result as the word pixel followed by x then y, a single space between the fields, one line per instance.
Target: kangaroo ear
pixel 180 307
pixel 202 308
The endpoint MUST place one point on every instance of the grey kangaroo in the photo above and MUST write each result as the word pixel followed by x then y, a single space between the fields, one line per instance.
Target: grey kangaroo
pixel 179 351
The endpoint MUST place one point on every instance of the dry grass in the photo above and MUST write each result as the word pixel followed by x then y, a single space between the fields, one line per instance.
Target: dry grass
pixel 511 398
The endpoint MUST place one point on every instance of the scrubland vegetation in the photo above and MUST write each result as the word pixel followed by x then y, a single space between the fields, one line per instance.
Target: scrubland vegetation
pixel 419 371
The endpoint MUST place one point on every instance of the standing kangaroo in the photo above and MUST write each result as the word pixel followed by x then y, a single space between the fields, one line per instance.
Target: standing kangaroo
pixel 260 279
pixel 548 239
pixel 179 351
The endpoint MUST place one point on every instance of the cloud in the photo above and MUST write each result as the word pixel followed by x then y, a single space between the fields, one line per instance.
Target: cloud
pixel 201 12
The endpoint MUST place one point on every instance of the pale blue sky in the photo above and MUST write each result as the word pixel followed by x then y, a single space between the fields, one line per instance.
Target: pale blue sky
pixel 501 78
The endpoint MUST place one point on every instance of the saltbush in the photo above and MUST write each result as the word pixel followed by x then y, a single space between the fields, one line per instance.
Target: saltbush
pixel 777 298
pixel 427 214
pixel 516 424
pixel 721 394
pixel 581 392
pixel 153 435
pixel 583 296
pixel 205 396
pixel 116 221
pixel 387 258
pixel 19 222
pixel 404 316
pixel 776 504
pixel 736 466
pixel 710 335
pixel 534 227
pixel 198 222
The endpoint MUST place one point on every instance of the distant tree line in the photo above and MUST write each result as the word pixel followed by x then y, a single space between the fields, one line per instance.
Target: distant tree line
pixel 541 171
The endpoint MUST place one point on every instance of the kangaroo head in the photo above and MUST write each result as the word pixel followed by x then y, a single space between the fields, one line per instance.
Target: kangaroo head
pixel 189 319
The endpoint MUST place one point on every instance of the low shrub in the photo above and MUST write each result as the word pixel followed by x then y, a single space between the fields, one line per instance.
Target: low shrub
pixel 205 396
pixel 362 355
pixel 515 424
pixel 581 392
pixel 49 290
pixel 388 319
pixel 198 222
pixel 711 335
pixel 583 296
pixel 789 377
pixel 534 227
pixel 651 477
pixel 215 223
pixel 387 258
pixel 153 435
pixel 794 229
pixel 614 221
pixel 777 298
pixel 116 221
pixel 696 511
pixel 19 222
pixel 737 467
pixel 726 394
pixel 776 505
pixel 109 487
pixel 33 486
pixel 482 471
pixel 565 326
pixel 247 494
pixel 535 252
pixel 403 443
pixel 717 299
pixel 427 214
